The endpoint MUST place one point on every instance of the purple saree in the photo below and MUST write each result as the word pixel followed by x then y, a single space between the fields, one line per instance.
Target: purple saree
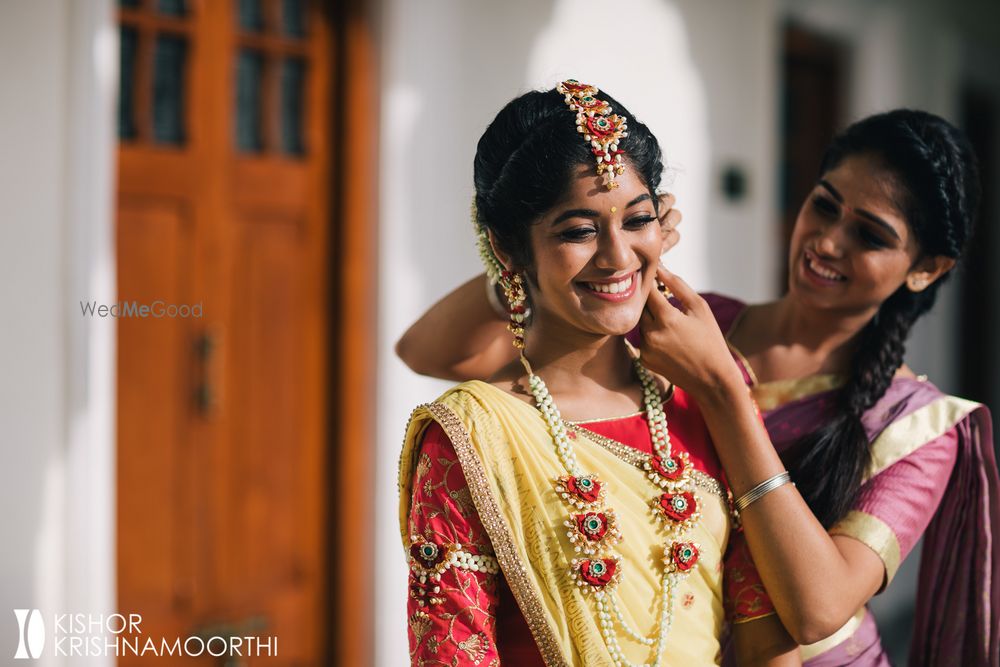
pixel 933 473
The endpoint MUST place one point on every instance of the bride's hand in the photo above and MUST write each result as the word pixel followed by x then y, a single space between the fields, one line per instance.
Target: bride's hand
pixel 683 343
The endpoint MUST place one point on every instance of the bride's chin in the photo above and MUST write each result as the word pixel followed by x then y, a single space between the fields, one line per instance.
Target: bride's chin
pixel 620 327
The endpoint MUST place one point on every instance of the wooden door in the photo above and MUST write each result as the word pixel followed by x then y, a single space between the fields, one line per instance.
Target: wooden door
pixel 812 112
pixel 223 428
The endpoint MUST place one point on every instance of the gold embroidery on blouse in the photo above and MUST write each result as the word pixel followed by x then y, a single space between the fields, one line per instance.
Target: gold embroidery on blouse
pixel 636 458
pixel 503 542
pixel 669 394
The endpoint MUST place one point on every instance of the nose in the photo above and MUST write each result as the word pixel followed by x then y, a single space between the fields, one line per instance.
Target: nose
pixel 613 250
pixel 829 243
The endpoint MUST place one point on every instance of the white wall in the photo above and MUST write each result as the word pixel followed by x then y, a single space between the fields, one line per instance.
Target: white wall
pixel 58 67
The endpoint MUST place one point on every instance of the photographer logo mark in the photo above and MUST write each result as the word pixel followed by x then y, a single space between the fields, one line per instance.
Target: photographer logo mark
pixel 30 634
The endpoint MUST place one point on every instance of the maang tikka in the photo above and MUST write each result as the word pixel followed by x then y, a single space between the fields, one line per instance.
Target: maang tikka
pixel 600 128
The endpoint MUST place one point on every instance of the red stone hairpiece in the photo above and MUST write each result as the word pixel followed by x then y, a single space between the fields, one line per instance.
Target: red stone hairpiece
pixel 599 127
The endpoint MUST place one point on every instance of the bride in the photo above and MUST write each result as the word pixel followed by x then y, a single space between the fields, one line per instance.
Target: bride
pixel 572 510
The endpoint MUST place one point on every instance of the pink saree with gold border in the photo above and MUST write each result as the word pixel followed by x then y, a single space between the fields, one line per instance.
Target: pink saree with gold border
pixel 933 473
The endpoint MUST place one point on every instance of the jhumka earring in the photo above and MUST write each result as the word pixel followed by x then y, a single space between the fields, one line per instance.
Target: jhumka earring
pixel 513 288
pixel 510 282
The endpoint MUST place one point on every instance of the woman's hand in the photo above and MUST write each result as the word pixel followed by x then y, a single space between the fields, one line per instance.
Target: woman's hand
pixel 684 343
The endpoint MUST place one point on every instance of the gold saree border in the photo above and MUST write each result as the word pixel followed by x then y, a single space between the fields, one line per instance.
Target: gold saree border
pixel 809 651
pixel 503 542
pixel 743 360
pixel 908 434
pixel 876 535
pixel 751 619
pixel 776 393
pixel 735 350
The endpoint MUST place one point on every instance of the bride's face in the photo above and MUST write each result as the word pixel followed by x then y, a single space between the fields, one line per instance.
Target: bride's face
pixel 595 255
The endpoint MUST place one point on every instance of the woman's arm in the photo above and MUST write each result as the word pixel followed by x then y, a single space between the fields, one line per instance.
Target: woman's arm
pixel 764 642
pixel 448 602
pixel 758 637
pixel 462 337
pixel 816 582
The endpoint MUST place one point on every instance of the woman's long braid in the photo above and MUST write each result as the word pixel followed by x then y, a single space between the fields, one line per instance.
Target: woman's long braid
pixel 879 354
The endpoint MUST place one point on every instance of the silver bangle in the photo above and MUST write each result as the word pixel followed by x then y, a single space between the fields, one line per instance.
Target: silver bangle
pixel 761 490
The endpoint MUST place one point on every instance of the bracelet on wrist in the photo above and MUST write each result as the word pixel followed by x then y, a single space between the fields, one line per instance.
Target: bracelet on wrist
pixel 761 490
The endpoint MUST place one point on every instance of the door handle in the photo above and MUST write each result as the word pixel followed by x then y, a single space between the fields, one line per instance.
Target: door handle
pixel 206 394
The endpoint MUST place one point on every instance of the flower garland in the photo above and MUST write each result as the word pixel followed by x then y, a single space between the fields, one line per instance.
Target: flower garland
pixel 490 262
pixel 592 525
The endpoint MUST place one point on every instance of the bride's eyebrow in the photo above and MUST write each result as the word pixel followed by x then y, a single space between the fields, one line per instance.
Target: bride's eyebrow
pixel 591 213
pixel 575 213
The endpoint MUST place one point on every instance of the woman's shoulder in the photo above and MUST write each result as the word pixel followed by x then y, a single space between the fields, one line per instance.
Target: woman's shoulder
pixel 909 393
pixel 468 390
pixel 725 308
pixel 913 412
pixel 473 405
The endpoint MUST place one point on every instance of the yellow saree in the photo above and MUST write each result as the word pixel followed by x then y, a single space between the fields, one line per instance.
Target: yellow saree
pixel 508 458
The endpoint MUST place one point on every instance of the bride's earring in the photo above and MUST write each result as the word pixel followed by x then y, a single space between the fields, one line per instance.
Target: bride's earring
pixel 513 289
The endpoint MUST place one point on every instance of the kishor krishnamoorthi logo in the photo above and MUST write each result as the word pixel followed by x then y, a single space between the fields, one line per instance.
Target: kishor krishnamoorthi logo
pixel 121 635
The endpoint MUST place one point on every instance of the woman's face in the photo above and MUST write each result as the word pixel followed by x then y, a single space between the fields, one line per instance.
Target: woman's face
pixel 851 247
pixel 595 256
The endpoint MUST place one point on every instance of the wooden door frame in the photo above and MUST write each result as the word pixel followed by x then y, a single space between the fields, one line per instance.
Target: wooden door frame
pixel 354 290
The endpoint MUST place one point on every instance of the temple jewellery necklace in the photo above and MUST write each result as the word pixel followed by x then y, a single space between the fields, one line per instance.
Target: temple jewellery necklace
pixel 592 524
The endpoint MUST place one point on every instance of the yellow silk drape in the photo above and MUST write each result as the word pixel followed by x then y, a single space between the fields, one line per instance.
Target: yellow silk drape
pixel 508 458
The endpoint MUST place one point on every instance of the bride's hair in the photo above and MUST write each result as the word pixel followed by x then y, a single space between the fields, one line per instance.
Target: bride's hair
pixel 526 159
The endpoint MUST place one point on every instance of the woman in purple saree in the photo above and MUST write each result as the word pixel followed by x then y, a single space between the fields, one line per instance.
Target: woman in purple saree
pixel 879 456
pixel 929 450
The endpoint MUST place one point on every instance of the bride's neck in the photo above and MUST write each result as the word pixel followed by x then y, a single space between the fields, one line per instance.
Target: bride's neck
pixel 603 360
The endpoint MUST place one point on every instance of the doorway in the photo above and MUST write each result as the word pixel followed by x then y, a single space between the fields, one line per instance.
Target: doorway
pixel 239 478
pixel 812 110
